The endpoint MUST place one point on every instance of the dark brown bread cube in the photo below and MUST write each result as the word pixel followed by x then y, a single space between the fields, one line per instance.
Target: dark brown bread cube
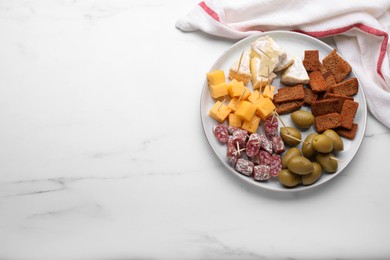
pixel 288 107
pixel 339 67
pixel 348 113
pixel 341 98
pixel 311 61
pixel 348 133
pixel 330 79
pixel 310 96
pixel 289 94
pixel 348 87
pixel 328 121
pixel 325 106
pixel 317 82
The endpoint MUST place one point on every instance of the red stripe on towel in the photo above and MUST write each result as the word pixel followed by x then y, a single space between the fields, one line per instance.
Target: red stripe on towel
pixel 209 11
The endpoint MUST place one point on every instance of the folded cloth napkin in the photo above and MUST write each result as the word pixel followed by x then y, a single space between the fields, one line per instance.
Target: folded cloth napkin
pixel 359 29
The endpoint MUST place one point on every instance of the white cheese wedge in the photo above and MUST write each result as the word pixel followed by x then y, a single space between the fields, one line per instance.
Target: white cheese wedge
pixel 295 73
pixel 267 47
pixel 240 70
pixel 261 75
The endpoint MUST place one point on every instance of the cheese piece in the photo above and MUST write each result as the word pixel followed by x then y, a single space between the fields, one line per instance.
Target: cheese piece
pixel 269 91
pixel 234 104
pixel 219 90
pixel 265 108
pixel 259 70
pixel 252 124
pixel 246 110
pixel 219 111
pixel 234 120
pixel 266 47
pixel 216 77
pixel 255 97
pixel 238 89
pixel 240 70
pixel 295 74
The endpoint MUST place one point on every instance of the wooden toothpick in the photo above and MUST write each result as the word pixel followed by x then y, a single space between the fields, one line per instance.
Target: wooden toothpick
pixel 280 118
pixel 239 62
pixel 297 139
pixel 221 104
pixel 336 159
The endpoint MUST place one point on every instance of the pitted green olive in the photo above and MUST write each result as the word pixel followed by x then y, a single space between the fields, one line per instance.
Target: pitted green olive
pixel 322 143
pixel 312 177
pixel 327 161
pixel 302 118
pixel 300 165
pixel 307 147
pixel 294 151
pixel 338 144
pixel 288 178
pixel 290 135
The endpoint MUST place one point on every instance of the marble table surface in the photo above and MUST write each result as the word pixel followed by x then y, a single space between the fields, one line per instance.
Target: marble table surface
pixel 103 156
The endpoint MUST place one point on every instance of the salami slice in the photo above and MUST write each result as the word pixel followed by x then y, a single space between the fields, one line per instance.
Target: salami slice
pixel 232 129
pixel 265 157
pixel 253 145
pixel 270 127
pixel 275 165
pixel 221 133
pixel 261 172
pixel 232 154
pixel 266 144
pixel 239 136
pixel 244 166
pixel 278 144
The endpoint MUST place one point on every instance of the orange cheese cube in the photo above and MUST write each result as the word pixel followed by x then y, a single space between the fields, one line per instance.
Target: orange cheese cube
pixel 265 108
pixel 219 90
pixel 216 77
pixel 234 120
pixel 238 89
pixel 246 110
pixel 234 104
pixel 255 97
pixel 252 124
pixel 219 111
pixel 269 92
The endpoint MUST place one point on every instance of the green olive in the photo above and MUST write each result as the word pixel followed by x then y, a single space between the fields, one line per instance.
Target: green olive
pixel 294 151
pixel 322 143
pixel 312 177
pixel 288 178
pixel 300 165
pixel 302 118
pixel 290 135
pixel 307 147
pixel 338 144
pixel 327 161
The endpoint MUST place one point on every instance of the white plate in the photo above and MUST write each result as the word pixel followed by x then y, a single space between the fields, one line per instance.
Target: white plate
pixel 296 44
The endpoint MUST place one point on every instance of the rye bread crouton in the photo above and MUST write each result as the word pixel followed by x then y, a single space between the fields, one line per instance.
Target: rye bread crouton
pixel 288 107
pixel 289 94
pixel 325 106
pixel 341 98
pixel 330 79
pixel 339 67
pixel 311 61
pixel 328 121
pixel 310 96
pixel 348 87
pixel 348 113
pixel 317 82
pixel 347 133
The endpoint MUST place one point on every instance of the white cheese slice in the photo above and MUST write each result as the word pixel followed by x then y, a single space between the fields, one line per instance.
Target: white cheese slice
pixel 267 47
pixel 240 70
pixel 295 73
pixel 261 75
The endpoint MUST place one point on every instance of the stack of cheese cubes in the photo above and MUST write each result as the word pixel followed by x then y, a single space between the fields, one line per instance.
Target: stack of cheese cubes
pixel 240 106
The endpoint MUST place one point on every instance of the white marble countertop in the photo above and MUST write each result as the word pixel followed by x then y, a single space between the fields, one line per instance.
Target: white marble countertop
pixel 102 153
